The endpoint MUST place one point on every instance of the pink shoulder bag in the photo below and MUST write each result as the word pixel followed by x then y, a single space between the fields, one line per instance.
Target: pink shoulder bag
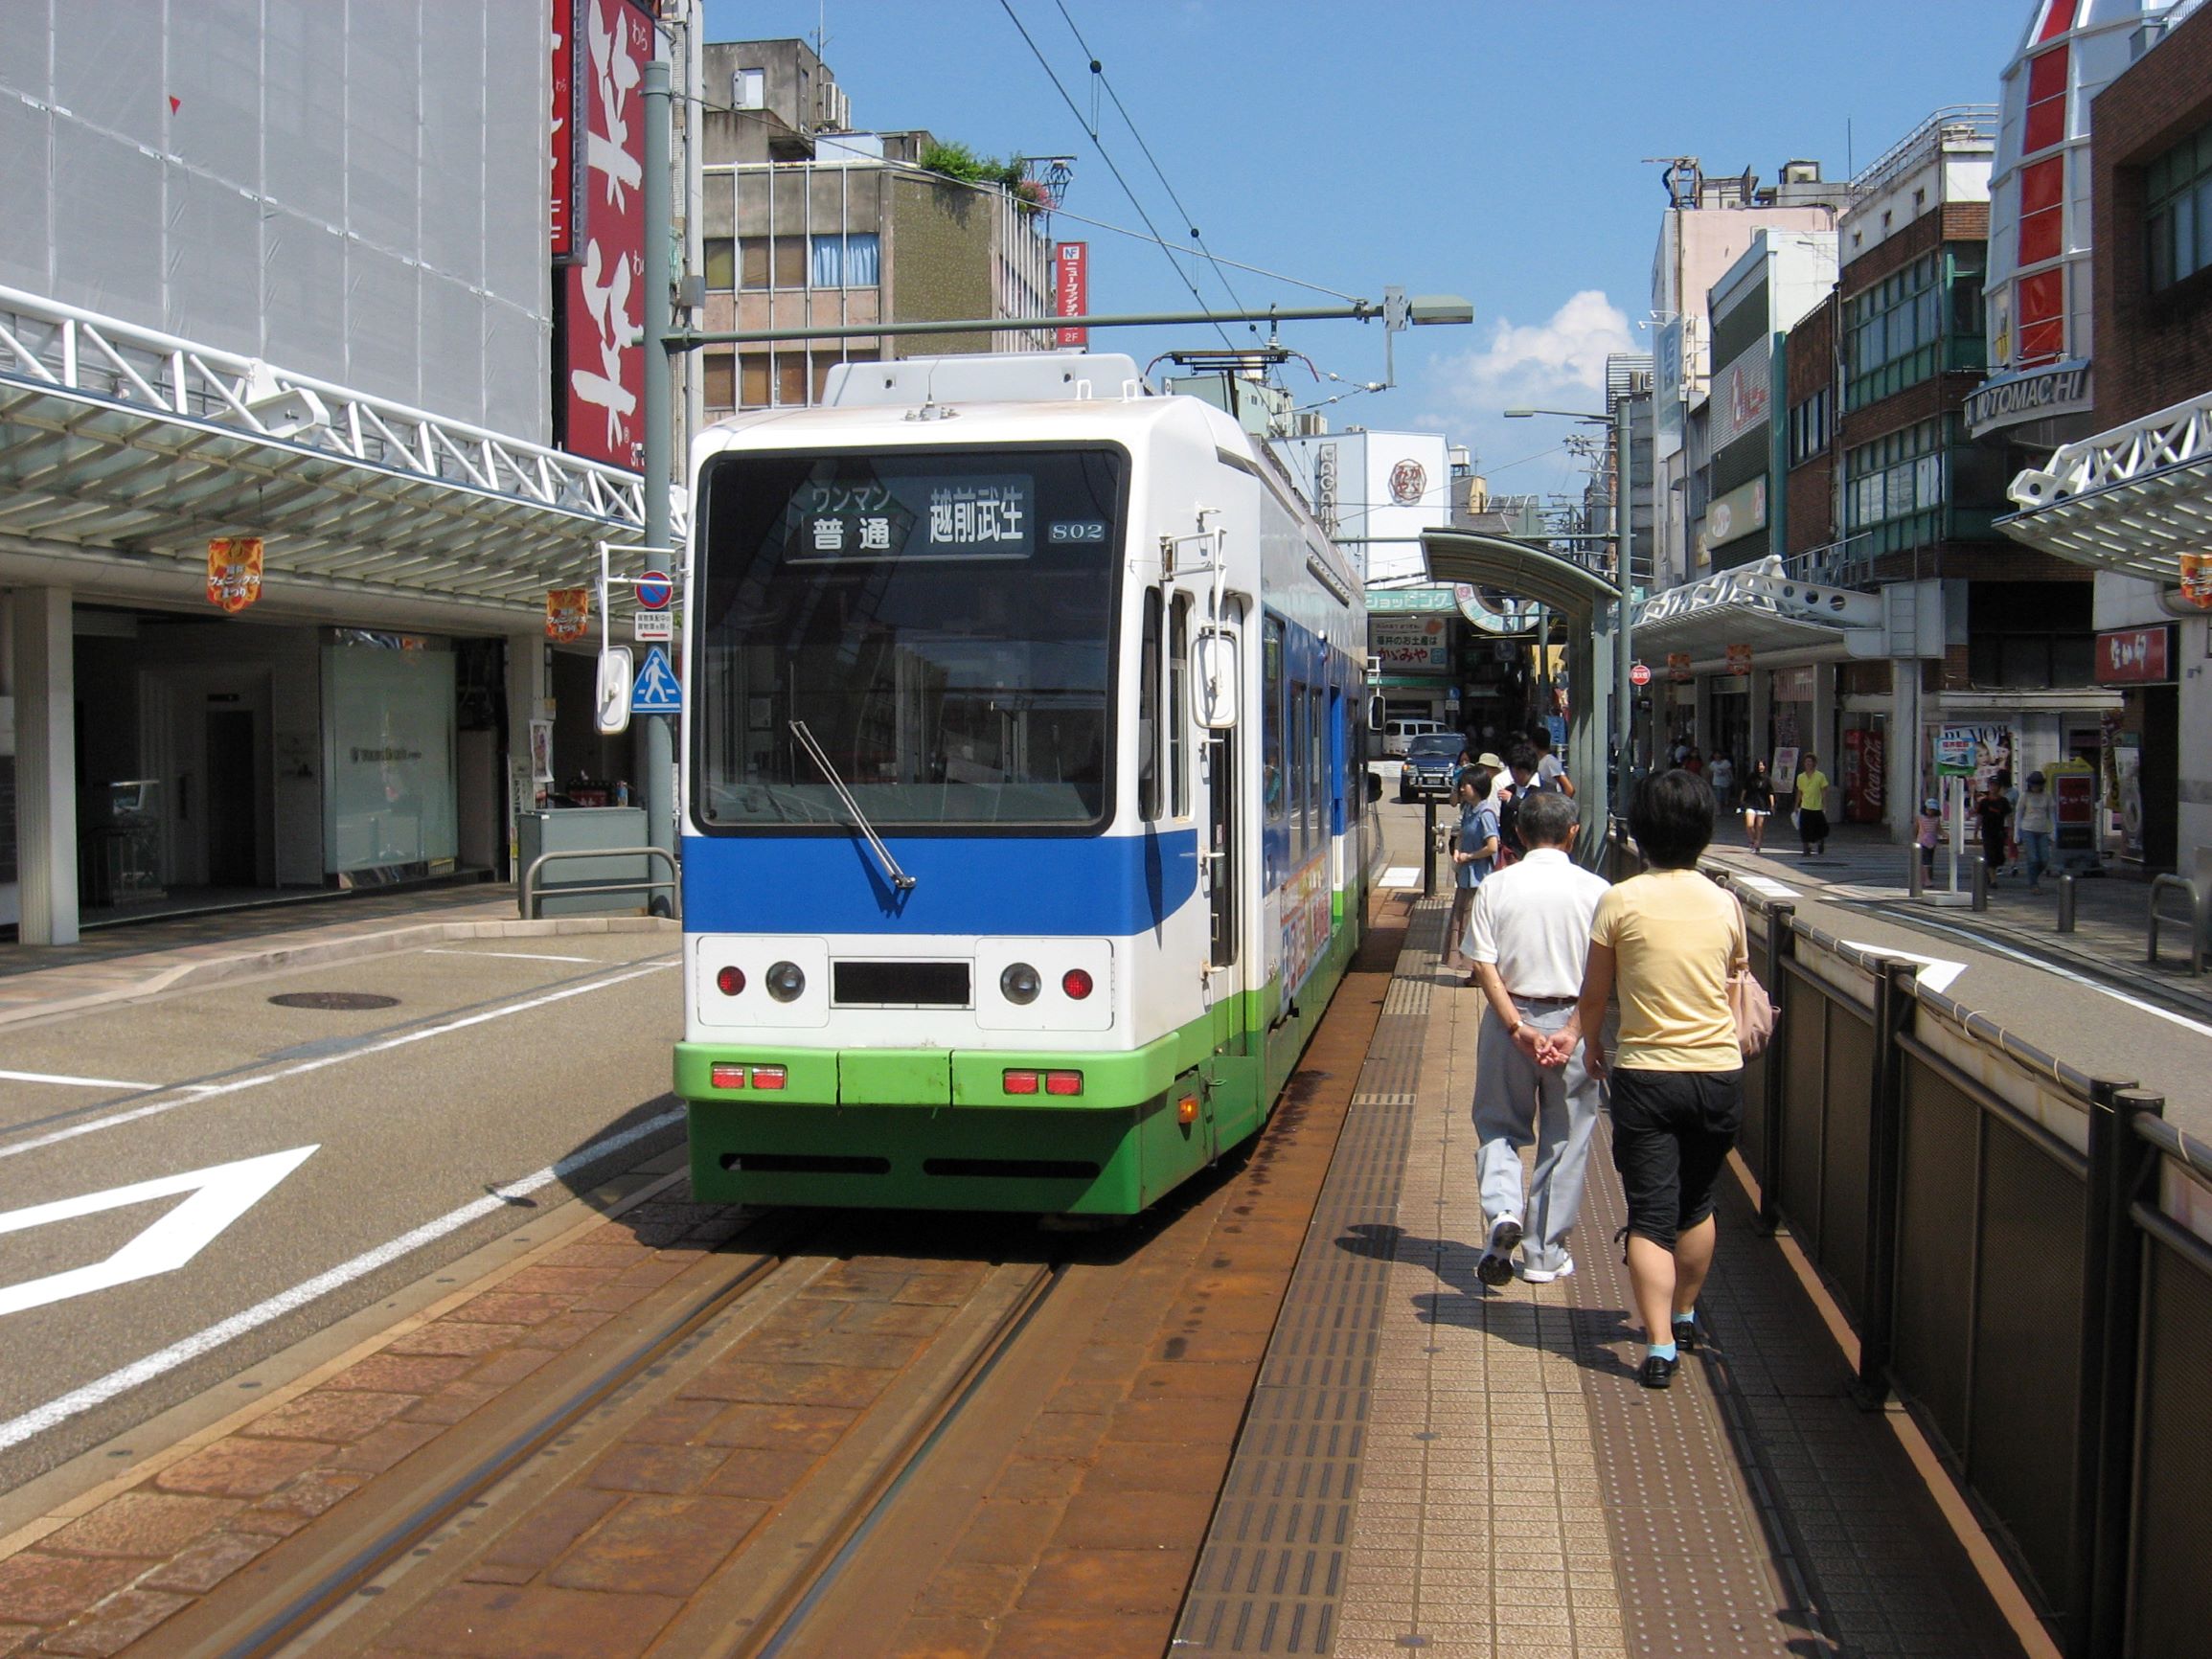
pixel 1748 1002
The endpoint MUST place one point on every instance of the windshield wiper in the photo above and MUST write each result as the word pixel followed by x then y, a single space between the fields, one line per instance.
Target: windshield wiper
pixel 900 879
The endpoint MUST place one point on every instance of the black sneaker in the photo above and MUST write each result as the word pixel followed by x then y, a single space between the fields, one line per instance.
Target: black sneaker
pixel 1657 1372
pixel 1496 1268
pixel 1689 1335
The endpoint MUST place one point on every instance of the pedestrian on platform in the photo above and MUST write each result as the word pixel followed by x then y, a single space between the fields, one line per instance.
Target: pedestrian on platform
pixel 1473 847
pixel 1551 772
pixel 1530 934
pixel 1812 806
pixel 1927 830
pixel 2036 823
pixel 1996 814
pixel 1758 805
pixel 1520 764
pixel 1667 940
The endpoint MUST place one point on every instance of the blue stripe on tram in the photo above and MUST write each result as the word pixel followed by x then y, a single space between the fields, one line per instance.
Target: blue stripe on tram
pixel 1115 885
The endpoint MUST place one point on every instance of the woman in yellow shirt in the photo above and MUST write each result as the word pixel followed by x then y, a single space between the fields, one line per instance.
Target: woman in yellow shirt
pixel 1812 806
pixel 1667 940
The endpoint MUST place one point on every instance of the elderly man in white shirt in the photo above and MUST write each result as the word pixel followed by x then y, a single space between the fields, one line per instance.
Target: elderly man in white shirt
pixel 1530 934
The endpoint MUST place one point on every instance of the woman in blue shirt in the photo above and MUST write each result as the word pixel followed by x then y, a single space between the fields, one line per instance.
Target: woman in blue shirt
pixel 1474 855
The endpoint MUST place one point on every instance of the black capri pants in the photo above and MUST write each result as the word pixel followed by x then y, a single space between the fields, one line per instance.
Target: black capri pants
pixel 1671 1133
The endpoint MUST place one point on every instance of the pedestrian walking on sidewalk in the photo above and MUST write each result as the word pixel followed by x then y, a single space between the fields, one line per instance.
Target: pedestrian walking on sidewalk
pixel 1812 806
pixel 1926 830
pixel 1473 849
pixel 1722 777
pixel 1758 805
pixel 2035 825
pixel 1666 941
pixel 1996 814
pixel 1531 932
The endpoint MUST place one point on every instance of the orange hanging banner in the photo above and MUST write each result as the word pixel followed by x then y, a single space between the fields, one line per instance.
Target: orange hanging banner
pixel 1738 659
pixel 567 609
pixel 234 571
pixel 2197 579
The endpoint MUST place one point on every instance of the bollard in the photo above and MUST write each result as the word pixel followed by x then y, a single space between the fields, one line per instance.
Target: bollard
pixel 1915 878
pixel 1982 881
pixel 1427 847
pixel 2066 901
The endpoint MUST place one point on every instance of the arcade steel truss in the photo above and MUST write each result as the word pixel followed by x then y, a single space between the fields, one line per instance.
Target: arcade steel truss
pixel 118 440
pixel 2133 500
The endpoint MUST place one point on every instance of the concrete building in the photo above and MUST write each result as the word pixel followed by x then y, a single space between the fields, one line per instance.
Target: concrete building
pixel 277 406
pixel 2133 501
pixel 806 222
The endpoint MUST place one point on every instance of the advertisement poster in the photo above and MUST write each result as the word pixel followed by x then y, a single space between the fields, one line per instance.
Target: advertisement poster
pixel 604 292
pixel 1784 772
pixel 1071 288
pixel 1864 763
pixel 234 571
pixel 1409 643
pixel 567 610
pixel 2128 766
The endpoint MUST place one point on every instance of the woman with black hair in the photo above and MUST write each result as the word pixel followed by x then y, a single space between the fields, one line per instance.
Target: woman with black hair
pixel 1667 940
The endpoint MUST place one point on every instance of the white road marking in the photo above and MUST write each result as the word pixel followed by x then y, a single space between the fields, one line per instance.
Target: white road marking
pixel 220 1193
pixel 511 955
pixel 75 1404
pixel 192 1094
pixel 1936 973
pixel 1401 875
pixel 73 1083
pixel 2102 990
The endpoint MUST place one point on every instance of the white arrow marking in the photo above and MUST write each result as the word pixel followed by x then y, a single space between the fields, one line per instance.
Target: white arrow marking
pixel 73 1083
pixel 1935 972
pixel 221 1195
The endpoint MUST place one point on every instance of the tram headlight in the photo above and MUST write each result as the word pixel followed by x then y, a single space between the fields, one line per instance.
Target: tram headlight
pixel 1020 983
pixel 785 981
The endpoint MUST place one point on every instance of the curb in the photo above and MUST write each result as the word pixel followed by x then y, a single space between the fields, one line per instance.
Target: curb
pixel 214 971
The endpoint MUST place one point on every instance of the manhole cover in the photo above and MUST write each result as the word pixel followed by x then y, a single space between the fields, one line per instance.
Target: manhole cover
pixel 335 999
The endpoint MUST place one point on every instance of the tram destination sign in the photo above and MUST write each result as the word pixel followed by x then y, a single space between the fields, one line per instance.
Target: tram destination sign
pixel 874 520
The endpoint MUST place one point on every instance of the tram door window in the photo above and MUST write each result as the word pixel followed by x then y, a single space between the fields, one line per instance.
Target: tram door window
pixel 1149 711
pixel 1222 837
pixel 1274 800
pixel 1179 708
pixel 1316 772
pixel 1301 797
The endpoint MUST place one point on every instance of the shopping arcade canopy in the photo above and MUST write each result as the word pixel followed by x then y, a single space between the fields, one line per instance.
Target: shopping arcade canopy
pixel 1759 606
pixel 123 440
pixel 2133 500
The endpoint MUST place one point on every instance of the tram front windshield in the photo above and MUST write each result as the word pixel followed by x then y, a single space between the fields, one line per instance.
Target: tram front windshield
pixel 940 622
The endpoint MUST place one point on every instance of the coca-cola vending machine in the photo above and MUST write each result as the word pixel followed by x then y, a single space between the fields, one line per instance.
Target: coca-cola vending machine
pixel 1865 764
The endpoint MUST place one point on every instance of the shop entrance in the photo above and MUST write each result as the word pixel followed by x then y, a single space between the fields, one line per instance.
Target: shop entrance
pixel 233 737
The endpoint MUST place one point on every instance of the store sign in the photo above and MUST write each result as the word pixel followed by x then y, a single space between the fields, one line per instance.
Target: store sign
pixel 1739 660
pixel 604 292
pixel 1384 601
pixel 1679 665
pixel 1738 513
pixel 2197 579
pixel 1794 685
pixel 2135 656
pixel 1410 645
pixel 567 131
pixel 1972 751
pixel 1742 395
pixel 1667 384
pixel 1071 288
pixel 2008 399
pixel 234 571
pixel 567 609
pixel 1408 483
pixel 1325 495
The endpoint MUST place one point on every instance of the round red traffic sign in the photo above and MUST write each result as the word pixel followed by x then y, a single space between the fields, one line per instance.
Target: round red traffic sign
pixel 1640 674
pixel 655 590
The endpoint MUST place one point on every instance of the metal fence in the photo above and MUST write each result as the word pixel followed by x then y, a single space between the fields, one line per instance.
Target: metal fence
pixel 2022 1251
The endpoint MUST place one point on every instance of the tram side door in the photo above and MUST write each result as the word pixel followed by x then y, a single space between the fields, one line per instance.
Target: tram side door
pixel 1223 860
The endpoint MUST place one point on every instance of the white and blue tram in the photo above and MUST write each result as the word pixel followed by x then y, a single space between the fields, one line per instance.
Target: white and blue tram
pixel 1027 828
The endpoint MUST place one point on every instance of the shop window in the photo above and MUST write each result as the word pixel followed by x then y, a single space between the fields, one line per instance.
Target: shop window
pixel 753 260
pixel 721 262
pixel 722 380
pixel 2178 210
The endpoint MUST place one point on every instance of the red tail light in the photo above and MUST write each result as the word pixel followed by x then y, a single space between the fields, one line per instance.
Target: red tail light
pixel 727 1076
pixel 1076 983
pixel 730 981
pixel 1064 1082
pixel 1020 1082
pixel 767 1076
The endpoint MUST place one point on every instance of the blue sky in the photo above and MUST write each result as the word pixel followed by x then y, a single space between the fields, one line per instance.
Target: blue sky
pixel 1494 148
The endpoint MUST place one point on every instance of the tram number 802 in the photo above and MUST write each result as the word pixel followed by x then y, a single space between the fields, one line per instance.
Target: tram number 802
pixel 1069 530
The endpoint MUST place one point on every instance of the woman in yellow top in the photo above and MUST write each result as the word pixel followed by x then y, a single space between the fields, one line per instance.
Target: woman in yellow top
pixel 1666 939
pixel 1811 804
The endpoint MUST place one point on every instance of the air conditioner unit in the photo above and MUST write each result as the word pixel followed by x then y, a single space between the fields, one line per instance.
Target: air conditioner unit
pixel 837 108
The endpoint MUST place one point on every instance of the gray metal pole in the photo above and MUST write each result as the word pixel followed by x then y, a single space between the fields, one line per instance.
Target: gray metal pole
pixel 1624 649
pixel 660 808
pixel 1358 312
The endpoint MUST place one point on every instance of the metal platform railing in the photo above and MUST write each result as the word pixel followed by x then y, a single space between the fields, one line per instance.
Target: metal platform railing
pixel 533 895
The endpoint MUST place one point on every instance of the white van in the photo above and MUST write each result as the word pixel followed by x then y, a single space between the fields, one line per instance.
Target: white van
pixel 1398 733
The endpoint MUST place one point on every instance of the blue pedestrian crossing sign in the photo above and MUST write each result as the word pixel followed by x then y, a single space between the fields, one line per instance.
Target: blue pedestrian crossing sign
pixel 658 690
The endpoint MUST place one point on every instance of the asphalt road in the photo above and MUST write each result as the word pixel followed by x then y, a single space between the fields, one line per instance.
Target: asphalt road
pixel 355 1130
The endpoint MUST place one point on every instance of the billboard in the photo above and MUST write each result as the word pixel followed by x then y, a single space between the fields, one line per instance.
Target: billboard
pixel 1742 393
pixel 1071 288
pixel 1667 387
pixel 602 307
pixel 567 131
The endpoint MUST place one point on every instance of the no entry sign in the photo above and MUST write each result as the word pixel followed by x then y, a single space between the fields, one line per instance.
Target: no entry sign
pixel 1640 674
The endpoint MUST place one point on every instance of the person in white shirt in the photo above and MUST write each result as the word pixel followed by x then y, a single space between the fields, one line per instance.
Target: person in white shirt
pixel 1551 772
pixel 1529 938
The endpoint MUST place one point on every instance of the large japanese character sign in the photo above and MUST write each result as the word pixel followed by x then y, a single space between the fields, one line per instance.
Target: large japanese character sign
pixel 605 311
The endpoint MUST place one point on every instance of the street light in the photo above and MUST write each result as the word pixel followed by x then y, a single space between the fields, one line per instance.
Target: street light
pixel 1624 542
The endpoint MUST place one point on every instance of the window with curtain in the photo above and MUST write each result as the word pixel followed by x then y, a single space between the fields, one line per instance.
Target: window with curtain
pixel 721 262
pixel 845 262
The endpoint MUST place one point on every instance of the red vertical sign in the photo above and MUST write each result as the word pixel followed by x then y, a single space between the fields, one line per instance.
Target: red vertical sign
pixel 567 139
pixel 1071 286
pixel 602 384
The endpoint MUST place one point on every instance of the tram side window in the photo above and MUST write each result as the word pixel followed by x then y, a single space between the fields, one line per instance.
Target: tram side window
pixel 1179 706
pixel 1301 786
pixel 1271 722
pixel 1149 711
pixel 1316 769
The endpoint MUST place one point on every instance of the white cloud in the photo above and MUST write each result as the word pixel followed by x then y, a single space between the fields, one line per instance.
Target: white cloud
pixel 1558 362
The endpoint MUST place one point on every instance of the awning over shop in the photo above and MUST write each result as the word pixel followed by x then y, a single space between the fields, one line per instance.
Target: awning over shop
pixel 2136 499
pixel 1761 606
pixel 124 443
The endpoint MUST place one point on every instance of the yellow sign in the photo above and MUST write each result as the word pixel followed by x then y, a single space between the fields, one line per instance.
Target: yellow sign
pixel 567 609
pixel 234 571
pixel 2197 579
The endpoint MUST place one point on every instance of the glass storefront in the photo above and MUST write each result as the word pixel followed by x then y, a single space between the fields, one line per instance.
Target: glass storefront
pixel 388 735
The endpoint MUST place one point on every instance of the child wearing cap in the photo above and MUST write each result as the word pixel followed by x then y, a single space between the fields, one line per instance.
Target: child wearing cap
pixel 1927 826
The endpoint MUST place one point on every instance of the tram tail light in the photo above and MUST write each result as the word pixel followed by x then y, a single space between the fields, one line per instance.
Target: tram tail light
pixel 1064 1082
pixel 1076 983
pixel 727 1076
pixel 1187 1109
pixel 730 981
pixel 1021 1082
pixel 767 1076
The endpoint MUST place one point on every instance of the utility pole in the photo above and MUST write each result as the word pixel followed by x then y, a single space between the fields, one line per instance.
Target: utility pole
pixel 1624 545
pixel 659 735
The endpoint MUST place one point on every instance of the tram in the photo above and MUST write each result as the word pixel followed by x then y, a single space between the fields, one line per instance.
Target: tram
pixel 1027 827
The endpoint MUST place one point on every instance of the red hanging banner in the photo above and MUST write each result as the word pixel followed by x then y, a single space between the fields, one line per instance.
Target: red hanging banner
pixel 602 307
pixel 567 609
pixel 1072 288
pixel 234 571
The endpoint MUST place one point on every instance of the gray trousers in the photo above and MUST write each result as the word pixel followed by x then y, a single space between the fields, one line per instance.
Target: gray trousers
pixel 1516 1101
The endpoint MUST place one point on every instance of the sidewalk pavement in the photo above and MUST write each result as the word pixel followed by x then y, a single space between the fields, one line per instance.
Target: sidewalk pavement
pixel 118 964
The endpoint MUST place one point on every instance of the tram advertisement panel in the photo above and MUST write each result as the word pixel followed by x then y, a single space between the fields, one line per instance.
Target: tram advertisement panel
pixel 1306 914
